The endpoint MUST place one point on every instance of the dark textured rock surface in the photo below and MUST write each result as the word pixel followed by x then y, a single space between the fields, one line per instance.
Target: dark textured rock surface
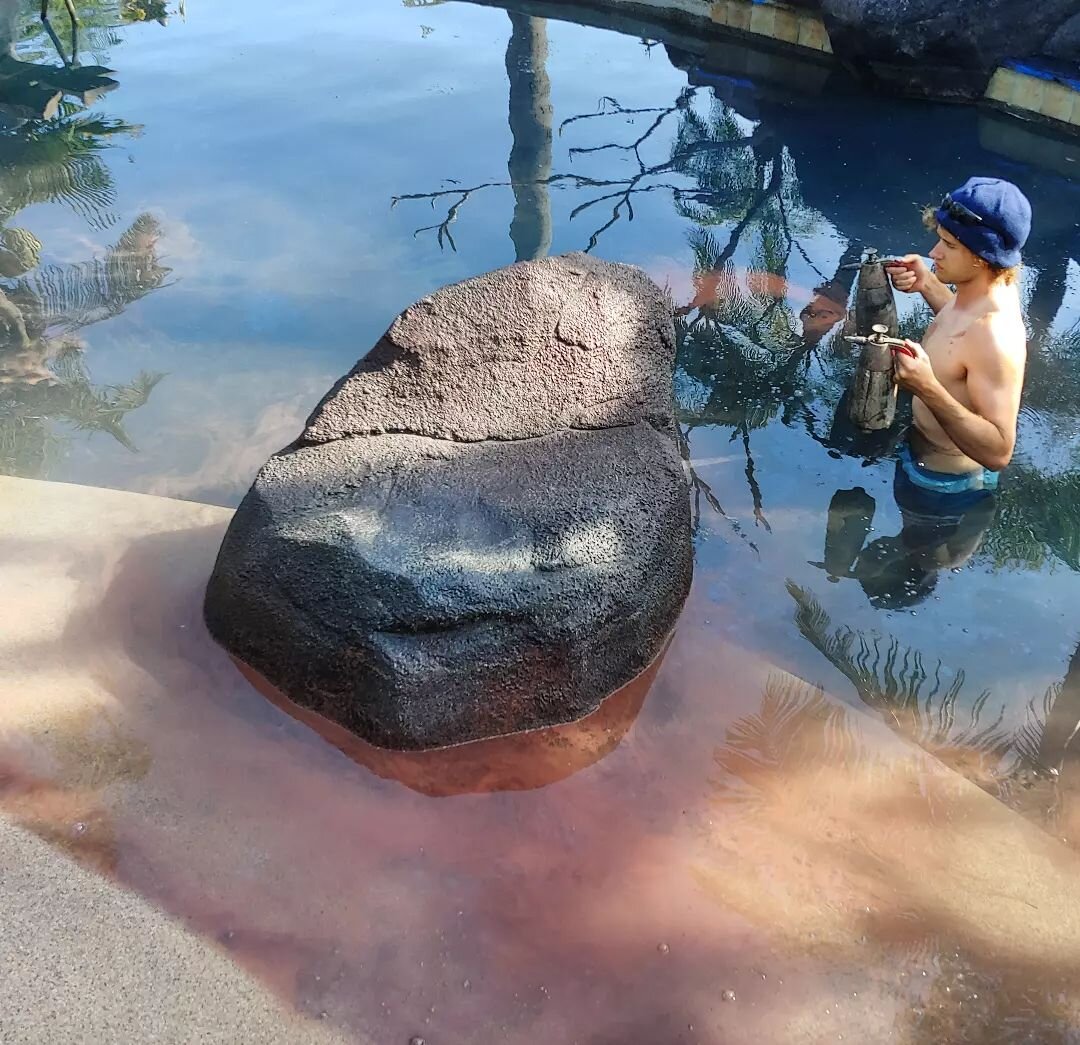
pixel 484 527
pixel 1065 43
pixel 941 48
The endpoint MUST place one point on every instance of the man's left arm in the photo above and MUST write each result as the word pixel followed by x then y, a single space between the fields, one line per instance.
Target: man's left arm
pixel 987 431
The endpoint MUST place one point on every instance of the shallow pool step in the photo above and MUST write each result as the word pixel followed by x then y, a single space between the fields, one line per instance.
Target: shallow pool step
pixel 780 22
pixel 1031 88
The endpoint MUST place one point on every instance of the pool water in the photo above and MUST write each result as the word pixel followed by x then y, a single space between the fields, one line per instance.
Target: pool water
pixel 200 252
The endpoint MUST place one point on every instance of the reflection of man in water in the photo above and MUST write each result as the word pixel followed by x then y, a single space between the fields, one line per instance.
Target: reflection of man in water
pixel 822 312
pixel 939 533
pixel 819 315
pixel 903 570
pixel 829 305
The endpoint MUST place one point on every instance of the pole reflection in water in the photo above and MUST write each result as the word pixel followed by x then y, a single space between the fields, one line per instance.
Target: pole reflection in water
pixel 530 123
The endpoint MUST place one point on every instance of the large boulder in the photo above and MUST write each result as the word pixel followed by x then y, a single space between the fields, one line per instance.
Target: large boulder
pixel 484 527
pixel 1065 43
pixel 942 48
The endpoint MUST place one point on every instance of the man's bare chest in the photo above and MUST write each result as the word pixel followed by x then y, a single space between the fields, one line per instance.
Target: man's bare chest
pixel 944 344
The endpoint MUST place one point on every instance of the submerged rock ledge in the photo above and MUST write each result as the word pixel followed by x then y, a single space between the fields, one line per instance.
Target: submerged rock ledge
pixel 484 527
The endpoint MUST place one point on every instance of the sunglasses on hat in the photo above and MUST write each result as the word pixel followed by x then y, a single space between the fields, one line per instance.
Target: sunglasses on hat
pixel 959 211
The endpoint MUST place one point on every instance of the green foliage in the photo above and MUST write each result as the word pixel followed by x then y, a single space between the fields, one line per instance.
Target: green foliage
pixel 1052 382
pixel 60 161
pixel 1038 521
pixel 741 344
pixel 144 11
pixel 99 25
pixel 57 161
pixel 30 445
pixel 70 297
pixel 1020 767
pixel 726 178
pixel 913 324
pixel 54 302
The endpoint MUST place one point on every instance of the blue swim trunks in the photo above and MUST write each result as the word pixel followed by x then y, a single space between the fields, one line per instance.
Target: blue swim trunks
pixel 939 494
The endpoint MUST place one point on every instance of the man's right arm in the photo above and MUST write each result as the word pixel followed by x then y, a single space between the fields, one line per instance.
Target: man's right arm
pixel 910 274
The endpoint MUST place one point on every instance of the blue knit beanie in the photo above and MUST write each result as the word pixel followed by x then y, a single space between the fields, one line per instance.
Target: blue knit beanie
pixel 1005 215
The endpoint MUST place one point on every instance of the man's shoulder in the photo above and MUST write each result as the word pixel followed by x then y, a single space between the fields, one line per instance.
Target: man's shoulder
pixel 997 339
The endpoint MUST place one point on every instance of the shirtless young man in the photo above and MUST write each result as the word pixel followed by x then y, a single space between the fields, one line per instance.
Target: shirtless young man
pixel 967 375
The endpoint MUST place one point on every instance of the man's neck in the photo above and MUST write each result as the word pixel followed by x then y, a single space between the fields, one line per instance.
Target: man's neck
pixel 978 292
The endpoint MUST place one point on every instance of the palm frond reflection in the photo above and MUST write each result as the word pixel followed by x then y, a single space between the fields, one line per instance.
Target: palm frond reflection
pixel 796 729
pixel 53 152
pixel 921 703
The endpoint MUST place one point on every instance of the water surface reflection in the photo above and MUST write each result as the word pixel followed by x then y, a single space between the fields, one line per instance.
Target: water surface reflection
pixel 748 833
pixel 753 169
pixel 51 149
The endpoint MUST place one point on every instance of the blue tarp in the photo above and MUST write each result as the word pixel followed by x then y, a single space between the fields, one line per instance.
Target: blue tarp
pixel 1045 70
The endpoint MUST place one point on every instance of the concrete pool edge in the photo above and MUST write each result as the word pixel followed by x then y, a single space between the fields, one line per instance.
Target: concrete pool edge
pixel 82 959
